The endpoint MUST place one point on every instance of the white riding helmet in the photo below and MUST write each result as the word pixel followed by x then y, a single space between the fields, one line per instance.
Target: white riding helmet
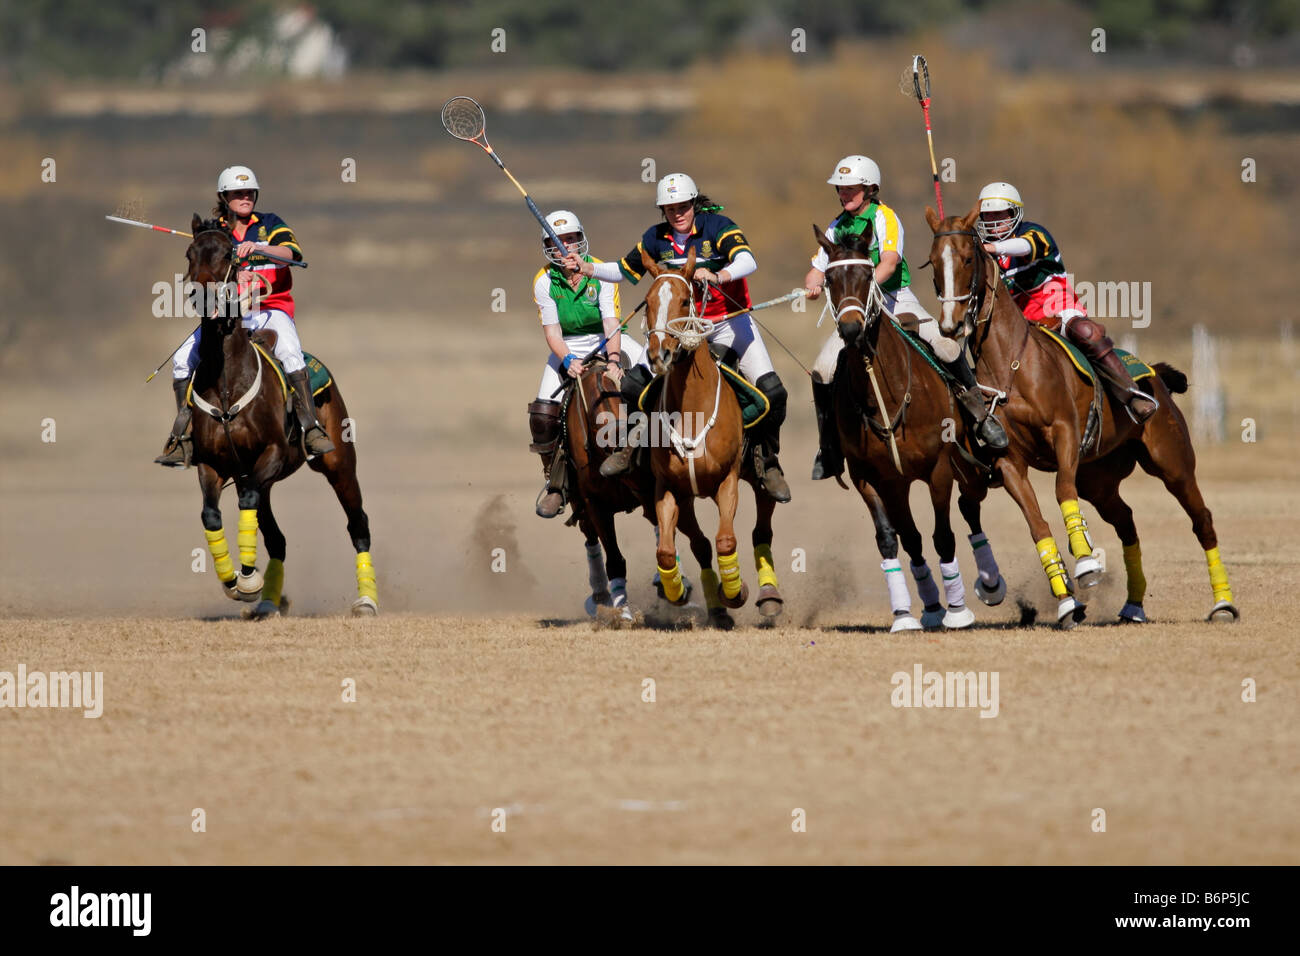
pixel 854 171
pixel 675 188
pixel 236 177
pixel 999 197
pixel 564 223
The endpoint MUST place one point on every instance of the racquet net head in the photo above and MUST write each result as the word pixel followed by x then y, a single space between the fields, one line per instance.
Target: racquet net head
pixel 915 79
pixel 463 118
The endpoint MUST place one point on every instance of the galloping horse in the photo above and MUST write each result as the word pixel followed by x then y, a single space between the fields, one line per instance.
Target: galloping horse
pixel 886 452
pixel 240 434
pixel 1047 406
pixel 702 459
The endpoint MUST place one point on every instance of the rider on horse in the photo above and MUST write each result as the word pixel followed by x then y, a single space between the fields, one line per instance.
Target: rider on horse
pixel 1035 275
pixel 857 184
pixel 693 221
pixel 576 313
pixel 253 234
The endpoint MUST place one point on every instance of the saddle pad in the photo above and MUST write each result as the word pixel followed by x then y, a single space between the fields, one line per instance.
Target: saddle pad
pixel 318 376
pixel 754 405
pixel 1137 368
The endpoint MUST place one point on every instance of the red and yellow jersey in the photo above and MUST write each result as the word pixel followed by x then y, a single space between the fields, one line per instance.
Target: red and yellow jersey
pixel 276 291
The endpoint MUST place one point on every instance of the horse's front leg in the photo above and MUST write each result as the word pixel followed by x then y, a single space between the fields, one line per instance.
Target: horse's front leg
pixel 250 582
pixel 958 614
pixel 734 591
pixel 900 599
pixel 1087 569
pixel 670 569
pixel 1068 611
pixel 991 587
pixel 210 485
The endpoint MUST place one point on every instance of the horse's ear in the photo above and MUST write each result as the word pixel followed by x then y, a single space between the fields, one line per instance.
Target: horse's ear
pixel 649 264
pixel 822 241
pixel 689 270
pixel 933 219
pixel 196 224
pixel 968 222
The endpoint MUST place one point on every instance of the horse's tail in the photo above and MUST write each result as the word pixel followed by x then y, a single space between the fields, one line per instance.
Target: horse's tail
pixel 1174 380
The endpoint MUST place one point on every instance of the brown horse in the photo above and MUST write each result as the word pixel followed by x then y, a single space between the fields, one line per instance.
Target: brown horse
pixel 697 445
pixel 240 435
pixel 897 423
pixel 1047 408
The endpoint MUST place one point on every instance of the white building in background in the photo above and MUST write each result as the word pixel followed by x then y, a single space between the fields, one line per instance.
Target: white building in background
pixel 297 43
pixel 1209 410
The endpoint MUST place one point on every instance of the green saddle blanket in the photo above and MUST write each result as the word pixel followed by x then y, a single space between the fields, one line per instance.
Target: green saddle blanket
pixel 1137 368
pixel 754 405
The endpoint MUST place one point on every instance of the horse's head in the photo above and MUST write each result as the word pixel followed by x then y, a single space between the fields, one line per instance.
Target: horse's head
pixel 850 282
pixel 670 299
pixel 211 258
pixel 959 263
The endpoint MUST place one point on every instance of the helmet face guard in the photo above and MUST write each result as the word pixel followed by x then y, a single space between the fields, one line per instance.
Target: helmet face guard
pixel 577 246
pixel 998 229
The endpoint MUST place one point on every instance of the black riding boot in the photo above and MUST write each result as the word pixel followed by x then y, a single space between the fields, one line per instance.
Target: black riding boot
pixel 317 442
pixel 987 427
pixel 177 451
pixel 767 443
pixel 544 423
pixel 634 382
pixel 830 460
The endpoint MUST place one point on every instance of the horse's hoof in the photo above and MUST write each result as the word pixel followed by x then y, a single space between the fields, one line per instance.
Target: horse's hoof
pixel 1223 613
pixel 1087 572
pixel 262 611
pixel 770 602
pixel 249 586
pixel 958 618
pixel 687 589
pixel 905 622
pixel 993 596
pixel 932 617
pixel 1133 613
pixel 719 618
pixel 229 589
pixel 364 607
pixel 739 600
pixel 1069 612
pixel 594 601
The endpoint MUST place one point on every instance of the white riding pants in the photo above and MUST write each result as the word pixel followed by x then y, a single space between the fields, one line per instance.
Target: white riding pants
pixel 287 347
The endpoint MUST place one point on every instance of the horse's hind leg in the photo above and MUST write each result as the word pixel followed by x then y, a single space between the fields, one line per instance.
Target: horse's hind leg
pixel 1167 454
pixel 210 485
pixel 900 599
pixel 958 614
pixel 990 587
pixel 273 600
pixel 702 549
pixel 1099 483
pixel 769 600
pixel 342 476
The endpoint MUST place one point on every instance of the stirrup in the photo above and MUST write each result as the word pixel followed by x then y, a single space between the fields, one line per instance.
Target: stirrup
pixel 827 464
pixel 307 440
pixel 1143 395
pixel 178 453
pixel 546 491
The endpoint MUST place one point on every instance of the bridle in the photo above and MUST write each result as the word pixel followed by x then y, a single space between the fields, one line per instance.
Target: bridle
pixel 982 281
pixel 869 310
pixel 690 329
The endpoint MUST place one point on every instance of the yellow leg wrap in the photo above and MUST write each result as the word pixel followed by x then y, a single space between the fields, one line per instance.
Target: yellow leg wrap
pixel 220 554
pixel 1137 582
pixel 366 577
pixel 763 561
pixel 1053 565
pixel 248 537
pixel 1218 576
pixel 729 566
pixel 273 581
pixel 1076 528
pixel 709 581
pixel 671 578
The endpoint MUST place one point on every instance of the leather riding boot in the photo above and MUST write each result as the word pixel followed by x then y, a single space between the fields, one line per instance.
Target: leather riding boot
pixel 314 437
pixel 987 427
pixel 634 382
pixel 177 451
pixel 1092 340
pixel 830 461
pixel 544 423
pixel 768 441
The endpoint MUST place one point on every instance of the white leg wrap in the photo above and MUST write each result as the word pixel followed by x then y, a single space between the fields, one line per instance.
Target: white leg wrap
pixel 899 598
pixel 953 588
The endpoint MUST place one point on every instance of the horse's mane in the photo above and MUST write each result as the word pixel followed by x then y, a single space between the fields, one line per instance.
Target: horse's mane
pixel 211 224
pixel 858 245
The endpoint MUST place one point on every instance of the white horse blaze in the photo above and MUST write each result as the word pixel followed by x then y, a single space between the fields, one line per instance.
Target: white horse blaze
pixel 948 304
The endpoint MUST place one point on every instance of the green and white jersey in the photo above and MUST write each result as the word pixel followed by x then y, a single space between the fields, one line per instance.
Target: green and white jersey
pixel 579 311
pixel 886 236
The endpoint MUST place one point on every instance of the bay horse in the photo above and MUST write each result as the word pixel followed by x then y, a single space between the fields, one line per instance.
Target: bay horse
pixel 897 423
pixel 703 459
pixel 1046 410
pixel 240 435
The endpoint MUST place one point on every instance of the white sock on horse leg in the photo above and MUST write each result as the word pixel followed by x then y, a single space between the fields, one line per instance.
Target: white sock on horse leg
pixel 988 565
pixel 953 589
pixel 926 588
pixel 899 598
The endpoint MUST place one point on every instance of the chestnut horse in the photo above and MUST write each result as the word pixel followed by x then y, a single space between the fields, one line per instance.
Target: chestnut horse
pixel 897 424
pixel 1047 404
pixel 702 459
pixel 240 435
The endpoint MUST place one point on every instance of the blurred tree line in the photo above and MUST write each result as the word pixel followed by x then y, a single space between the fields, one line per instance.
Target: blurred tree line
pixel 140 38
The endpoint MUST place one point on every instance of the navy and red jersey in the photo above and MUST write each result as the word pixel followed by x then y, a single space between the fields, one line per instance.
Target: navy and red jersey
pixel 716 241
pixel 268 228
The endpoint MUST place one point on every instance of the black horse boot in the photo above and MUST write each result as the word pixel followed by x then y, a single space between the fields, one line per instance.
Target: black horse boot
pixel 634 382
pixel 987 427
pixel 829 462
pixel 544 423
pixel 179 447
pixel 768 441
pixel 314 437
pixel 1093 341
